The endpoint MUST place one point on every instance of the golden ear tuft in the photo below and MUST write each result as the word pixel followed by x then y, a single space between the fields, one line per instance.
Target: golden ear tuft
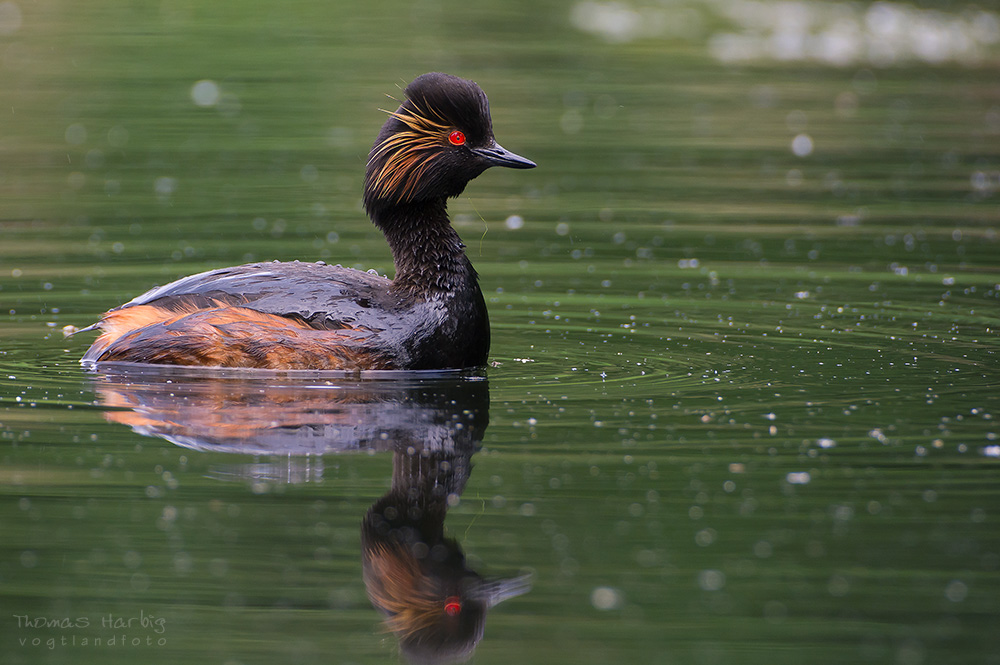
pixel 406 155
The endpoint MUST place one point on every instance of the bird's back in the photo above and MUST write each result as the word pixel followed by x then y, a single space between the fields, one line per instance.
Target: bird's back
pixel 273 315
pixel 325 296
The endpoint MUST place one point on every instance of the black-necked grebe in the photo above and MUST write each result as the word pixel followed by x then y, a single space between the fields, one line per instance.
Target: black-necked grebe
pixel 314 316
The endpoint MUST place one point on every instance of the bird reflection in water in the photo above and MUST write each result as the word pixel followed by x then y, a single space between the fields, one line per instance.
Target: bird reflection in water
pixel 415 576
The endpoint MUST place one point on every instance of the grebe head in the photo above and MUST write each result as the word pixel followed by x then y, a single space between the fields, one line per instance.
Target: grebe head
pixel 439 139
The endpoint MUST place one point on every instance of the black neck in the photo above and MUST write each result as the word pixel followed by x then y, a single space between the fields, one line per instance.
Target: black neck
pixel 427 252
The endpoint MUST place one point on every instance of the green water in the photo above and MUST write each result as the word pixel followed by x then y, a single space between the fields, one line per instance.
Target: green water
pixel 743 400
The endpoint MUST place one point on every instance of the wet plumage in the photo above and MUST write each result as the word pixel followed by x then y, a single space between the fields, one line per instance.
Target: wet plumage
pixel 431 315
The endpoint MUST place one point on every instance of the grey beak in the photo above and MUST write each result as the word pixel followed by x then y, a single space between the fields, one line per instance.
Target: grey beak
pixel 498 591
pixel 497 155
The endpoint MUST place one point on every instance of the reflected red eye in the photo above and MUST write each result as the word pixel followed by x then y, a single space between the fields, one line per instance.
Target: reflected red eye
pixel 452 606
pixel 456 138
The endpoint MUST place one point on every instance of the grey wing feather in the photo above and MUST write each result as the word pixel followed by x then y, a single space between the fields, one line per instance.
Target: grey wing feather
pixel 321 294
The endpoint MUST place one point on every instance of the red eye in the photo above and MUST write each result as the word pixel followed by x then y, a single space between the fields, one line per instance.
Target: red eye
pixel 452 605
pixel 456 138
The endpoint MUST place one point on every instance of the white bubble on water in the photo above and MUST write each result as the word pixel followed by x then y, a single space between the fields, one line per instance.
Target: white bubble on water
pixel 606 598
pixel 164 185
pixel 514 222
pixel 956 591
pixel 705 537
pixel 205 93
pixel 838 586
pixel 76 134
pixel 711 580
pixel 802 145
pixel 612 21
pixel 309 173
pixel 798 478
